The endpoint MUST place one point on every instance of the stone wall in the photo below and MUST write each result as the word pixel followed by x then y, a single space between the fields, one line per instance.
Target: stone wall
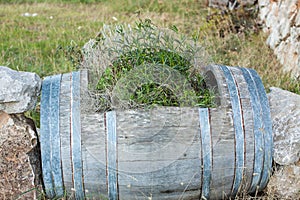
pixel 20 168
pixel 281 20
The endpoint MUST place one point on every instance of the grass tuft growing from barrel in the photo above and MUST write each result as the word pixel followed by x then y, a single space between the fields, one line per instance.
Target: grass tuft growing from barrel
pixel 119 50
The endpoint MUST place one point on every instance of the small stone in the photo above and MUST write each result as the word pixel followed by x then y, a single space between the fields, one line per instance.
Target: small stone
pixel 18 90
pixel 20 170
pixel 285 182
pixel 285 112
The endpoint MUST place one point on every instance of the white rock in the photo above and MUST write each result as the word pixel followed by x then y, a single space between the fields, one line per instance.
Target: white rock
pixel 273 39
pixel 272 19
pixel 280 20
pixel 264 11
pixel 297 20
pixel 285 112
pixel 18 90
pixel 284 28
pixel 263 3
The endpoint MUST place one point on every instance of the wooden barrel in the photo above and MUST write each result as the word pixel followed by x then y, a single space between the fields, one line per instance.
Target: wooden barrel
pixel 161 153
pixel 246 148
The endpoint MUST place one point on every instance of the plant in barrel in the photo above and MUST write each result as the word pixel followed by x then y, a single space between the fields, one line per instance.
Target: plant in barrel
pixel 151 119
pixel 161 68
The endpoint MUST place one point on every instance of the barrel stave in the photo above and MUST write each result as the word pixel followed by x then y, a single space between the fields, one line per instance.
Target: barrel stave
pixel 94 153
pixel 222 133
pixel 158 153
pixel 248 123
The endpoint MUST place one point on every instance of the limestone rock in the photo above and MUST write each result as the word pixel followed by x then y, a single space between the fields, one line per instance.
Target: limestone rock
pixel 281 20
pixel 18 90
pixel 297 20
pixel 285 112
pixel 19 157
pixel 285 182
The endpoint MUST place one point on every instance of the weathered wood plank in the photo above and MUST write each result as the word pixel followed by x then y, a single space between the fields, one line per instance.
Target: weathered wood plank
pixel 45 138
pixel 266 129
pixel 155 152
pixel 64 125
pixel 181 177
pixel 92 144
pixel 258 135
pixel 161 137
pixel 222 133
pixel 55 135
pixel 247 115
pixel 204 119
pixel 94 153
pixel 216 81
pixel 76 160
pixel 112 153
pixel 238 129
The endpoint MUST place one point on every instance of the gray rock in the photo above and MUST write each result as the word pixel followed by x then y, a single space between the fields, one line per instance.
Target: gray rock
pixel 285 111
pixel 18 90
pixel 285 182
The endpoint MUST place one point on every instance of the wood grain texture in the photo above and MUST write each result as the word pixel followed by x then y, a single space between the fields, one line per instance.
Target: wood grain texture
pixel 258 134
pixel 45 138
pixel 206 150
pixel 94 153
pixel 65 127
pixel 247 115
pixel 76 160
pixel 266 129
pixel 93 144
pixel 238 130
pixel 111 154
pixel 222 133
pixel 55 157
pixel 159 153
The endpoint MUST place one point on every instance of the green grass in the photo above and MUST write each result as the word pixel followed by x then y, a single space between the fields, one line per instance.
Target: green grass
pixel 163 66
pixel 46 43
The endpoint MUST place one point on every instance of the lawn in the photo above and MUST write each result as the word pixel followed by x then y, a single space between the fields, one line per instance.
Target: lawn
pixel 45 38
